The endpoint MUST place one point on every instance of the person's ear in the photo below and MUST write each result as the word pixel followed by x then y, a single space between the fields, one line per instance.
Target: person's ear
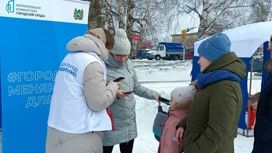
pixel 270 46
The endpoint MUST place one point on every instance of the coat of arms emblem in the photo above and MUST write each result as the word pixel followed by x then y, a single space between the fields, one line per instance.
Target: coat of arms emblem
pixel 78 14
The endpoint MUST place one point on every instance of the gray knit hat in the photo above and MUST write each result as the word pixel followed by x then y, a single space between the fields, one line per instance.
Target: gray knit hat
pixel 183 94
pixel 215 47
pixel 122 45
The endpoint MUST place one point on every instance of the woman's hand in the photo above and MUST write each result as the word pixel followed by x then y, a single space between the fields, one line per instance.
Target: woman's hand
pixel 179 134
pixel 107 82
pixel 120 94
pixel 118 83
pixel 157 98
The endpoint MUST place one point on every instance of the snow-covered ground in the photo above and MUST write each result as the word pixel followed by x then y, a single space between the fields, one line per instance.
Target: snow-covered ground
pixel 164 76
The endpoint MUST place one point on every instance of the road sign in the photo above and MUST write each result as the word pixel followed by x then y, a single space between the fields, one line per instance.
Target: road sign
pixel 183 35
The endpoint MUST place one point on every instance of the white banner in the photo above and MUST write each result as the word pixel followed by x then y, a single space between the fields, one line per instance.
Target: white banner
pixel 50 10
pixel 245 39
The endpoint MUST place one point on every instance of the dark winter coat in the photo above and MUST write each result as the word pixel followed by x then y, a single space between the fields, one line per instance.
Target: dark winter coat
pixel 263 124
pixel 213 120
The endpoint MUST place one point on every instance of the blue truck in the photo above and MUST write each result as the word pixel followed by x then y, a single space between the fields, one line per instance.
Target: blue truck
pixel 167 51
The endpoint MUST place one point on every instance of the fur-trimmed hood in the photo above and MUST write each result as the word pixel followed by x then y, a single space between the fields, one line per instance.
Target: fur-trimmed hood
pixel 88 43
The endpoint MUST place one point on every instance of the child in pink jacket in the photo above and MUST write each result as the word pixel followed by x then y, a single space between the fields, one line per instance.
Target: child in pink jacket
pixel 181 100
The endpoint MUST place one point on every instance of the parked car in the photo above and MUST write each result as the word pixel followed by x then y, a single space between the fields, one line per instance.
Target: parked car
pixel 257 56
pixel 189 56
pixel 142 53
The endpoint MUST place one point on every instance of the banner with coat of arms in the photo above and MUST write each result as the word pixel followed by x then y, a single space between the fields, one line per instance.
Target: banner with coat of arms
pixel 34 34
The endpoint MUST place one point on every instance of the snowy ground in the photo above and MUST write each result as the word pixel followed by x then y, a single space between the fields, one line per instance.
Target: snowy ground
pixel 163 76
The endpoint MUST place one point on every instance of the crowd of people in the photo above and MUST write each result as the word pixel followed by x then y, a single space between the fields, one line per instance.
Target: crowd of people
pixel 90 112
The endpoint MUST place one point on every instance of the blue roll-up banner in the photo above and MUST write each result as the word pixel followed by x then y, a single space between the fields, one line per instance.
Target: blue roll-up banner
pixel 266 58
pixel 34 34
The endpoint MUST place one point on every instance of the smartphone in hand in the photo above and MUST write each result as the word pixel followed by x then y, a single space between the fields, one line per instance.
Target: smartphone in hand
pixel 119 79
pixel 127 92
pixel 164 100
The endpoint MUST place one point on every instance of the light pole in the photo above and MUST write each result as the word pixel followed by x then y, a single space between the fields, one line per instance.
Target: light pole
pixel 183 42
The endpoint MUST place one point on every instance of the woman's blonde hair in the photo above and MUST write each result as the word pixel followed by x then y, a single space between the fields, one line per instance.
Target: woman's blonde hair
pixel 182 105
pixel 187 104
pixel 109 39
pixel 104 35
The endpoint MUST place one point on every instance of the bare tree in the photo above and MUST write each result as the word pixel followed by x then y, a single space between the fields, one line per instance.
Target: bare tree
pixel 150 18
pixel 109 17
pixel 103 13
pixel 130 18
pixel 121 14
pixel 213 12
pixel 260 10
pixel 96 17
pixel 213 15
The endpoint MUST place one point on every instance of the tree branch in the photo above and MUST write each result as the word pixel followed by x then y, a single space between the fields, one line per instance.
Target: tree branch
pixel 195 10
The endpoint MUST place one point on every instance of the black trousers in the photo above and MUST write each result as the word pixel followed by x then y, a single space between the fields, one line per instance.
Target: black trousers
pixel 124 147
pixel 262 146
